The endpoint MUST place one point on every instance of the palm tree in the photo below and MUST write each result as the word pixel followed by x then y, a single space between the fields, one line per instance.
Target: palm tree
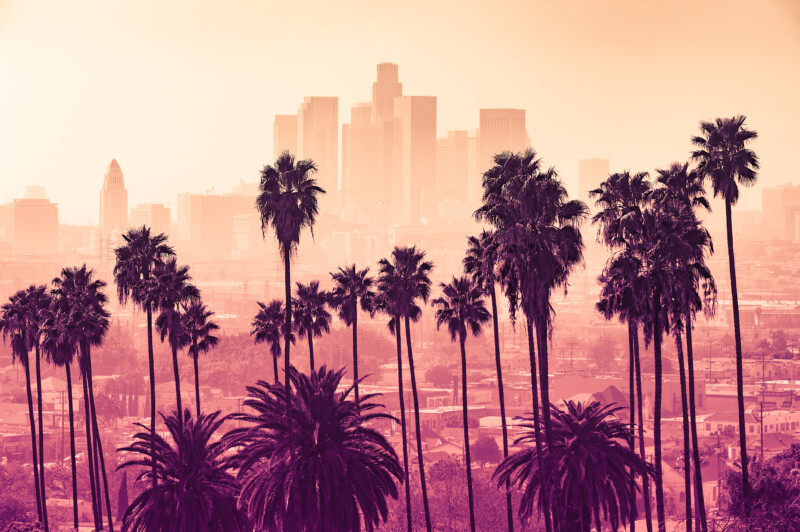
pixel 287 201
pixel 352 287
pixel 84 296
pixel 14 326
pixel 725 159
pixel 198 325
pixel 590 482
pixel 311 318
pixel 480 264
pixel 408 273
pixel 136 259
pixel 346 469
pixel 197 490
pixel 268 326
pixel 170 288
pixel 461 306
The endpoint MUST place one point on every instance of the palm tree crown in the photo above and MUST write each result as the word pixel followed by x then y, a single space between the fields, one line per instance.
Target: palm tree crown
pixel 406 277
pixel 136 259
pixel 200 328
pixel 310 314
pixel 352 287
pixel 346 470
pixel 461 307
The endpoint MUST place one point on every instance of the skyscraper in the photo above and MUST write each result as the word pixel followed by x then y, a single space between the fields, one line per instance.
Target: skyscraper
pixel 501 130
pixel 284 135
pixel 780 206
pixel 32 223
pixel 360 190
pixel 318 139
pixel 113 201
pixel 156 216
pixel 384 90
pixel 413 194
pixel 452 157
pixel 591 172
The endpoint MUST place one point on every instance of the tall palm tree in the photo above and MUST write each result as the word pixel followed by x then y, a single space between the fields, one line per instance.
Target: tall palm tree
pixel 200 328
pixel 460 307
pixel 78 289
pixel 619 198
pixel 268 326
pixel 14 327
pixel 197 489
pixel 590 481
pixel 171 288
pixel 726 160
pixel 409 272
pixel 480 263
pixel 346 470
pixel 311 318
pixel 136 259
pixel 386 301
pixel 287 201
pixel 352 288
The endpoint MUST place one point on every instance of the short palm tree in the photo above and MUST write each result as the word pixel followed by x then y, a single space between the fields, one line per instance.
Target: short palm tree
pixel 79 291
pixel 196 490
pixel 722 150
pixel 346 470
pixel 591 460
pixel 462 309
pixel 288 202
pixel 408 273
pixel 353 288
pixel 13 325
pixel 136 259
pixel 268 326
pixel 200 328
pixel 311 318
pixel 171 288
pixel 480 263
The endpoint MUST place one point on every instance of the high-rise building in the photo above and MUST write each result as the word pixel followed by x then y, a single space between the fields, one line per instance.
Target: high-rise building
pixel 414 196
pixel 384 90
pixel 113 201
pixel 779 207
pixel 156 216
pixel 591 172
pixel 284 135
pixel 206 222
pixel 501 130
pixel 318 139
pixel 452 158
pixel 32 223
pixel 360 189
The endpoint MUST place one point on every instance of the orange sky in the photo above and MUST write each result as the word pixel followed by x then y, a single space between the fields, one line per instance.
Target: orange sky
pixel 183 93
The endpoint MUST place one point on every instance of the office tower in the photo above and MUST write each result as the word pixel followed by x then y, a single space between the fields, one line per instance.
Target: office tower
pixel 113 201
pixel 154 215
pixel 206 222
pixel 591 172
pixel 413 193
pixel 474 170
pixel 779 207
pixel 501 130
pixel 452 157
pixel 384 90
pixel 360 188
pixel 318 139
pixel 284 135
pixel 32 223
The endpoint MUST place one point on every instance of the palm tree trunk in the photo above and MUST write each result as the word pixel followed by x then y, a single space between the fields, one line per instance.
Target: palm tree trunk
pixel 96 462
pixel 398 332
pixel 151 362
pixel 99 444
pixel 34 447
pixel 355 346
pixel 465 410
pixel 660 510
pixel 178 401
pixel 89 448
pixel 541 338
pixel 287 280
pixel 632 412
pixel 275 367
pixel 687 451
pixel 639 404
pixel 536 426
pixel 197 383
pixel 738 340
pixel 311 350
pixel 41 437
pixel 72 448
pixel 509 511
pixel 700 510
pixel 417 426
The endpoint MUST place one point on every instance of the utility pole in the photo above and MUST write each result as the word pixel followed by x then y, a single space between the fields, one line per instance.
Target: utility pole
pixel 763 393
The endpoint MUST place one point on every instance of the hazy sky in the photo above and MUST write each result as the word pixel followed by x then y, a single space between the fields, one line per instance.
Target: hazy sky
pixel 183 93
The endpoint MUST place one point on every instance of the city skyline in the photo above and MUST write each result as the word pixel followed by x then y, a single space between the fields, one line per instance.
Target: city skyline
pixel 191 132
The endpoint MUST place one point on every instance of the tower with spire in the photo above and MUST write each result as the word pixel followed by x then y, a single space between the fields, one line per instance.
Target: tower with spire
pixel 113 201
